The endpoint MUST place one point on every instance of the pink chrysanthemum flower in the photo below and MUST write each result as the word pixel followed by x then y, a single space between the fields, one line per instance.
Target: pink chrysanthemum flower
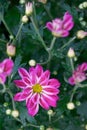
pixel 79 74
pixel 59 27
pixel 5 69
pixel 37 89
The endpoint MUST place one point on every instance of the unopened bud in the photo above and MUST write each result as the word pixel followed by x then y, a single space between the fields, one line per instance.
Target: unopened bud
pixel 15 113
pixel 86 126
pixel 81 34
pixel 78 103
pixel 22 1
pixel 28 8
pixel 42 127
pixel 71 53
pixel 24 19
pixel 8 112
pixel 84 4
pixel 43 1
pixel 11 50
pixel 81 6
pixel 49 129
pixel 11 37
pixel 50 112
pixel 32 62
pixel 70 106
pixel 5 104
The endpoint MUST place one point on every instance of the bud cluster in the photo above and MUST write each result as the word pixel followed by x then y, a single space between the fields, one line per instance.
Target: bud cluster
pixel 81 34
pixel 83 5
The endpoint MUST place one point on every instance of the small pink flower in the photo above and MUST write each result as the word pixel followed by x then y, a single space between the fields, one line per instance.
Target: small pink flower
pixel 59 27
pixel 37 89
pixel 5 69
pixel 79 74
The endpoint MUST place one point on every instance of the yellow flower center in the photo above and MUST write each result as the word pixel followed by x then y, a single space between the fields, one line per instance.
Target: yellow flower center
pixel 37 88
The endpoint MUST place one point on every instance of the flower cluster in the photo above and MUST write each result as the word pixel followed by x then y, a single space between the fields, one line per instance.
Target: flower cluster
pixel 59 27
pixel 37 89
pixel 5 69
pixel 79 74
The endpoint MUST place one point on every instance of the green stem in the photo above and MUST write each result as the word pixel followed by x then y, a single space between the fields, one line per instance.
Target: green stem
pixel 72 39
pixel 18 33
pixel 52 43
pixel 31 125
pixel 39 36
pixel 73 92
pixel 11 95
pixel 72 65
pixel 4 89
pixel 5 24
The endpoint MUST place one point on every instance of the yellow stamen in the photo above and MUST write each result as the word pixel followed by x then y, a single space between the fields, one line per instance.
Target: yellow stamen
pixel 37 88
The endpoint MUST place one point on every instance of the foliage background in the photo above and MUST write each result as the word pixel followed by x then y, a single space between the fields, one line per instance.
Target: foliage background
pixel 29 47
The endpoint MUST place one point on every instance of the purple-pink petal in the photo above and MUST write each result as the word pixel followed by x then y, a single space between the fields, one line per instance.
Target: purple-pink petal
pixel 44 103
pixel 20 83
pixel 71 81
pixel 49 26
pixel 54 83
pixel 23 73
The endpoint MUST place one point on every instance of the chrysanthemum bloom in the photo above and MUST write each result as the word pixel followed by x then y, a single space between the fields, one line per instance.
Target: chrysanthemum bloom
pixel 5 69
pixel 28 8
pixel 37 89
pixel 79 74
pixel 59 27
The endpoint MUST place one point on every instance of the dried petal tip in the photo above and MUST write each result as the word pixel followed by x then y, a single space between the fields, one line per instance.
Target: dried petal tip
pixel 28 8
pixel 81 34
pixel 71 53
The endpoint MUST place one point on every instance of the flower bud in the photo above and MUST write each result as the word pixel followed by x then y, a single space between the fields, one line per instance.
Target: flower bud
pixel 71 53
pixel 5 104
pixel 43 1
pixel 70 106
pixel 8 112
pixel 81 6
pixel 32 62
pixel 78 103
pixel 15 113
pixel 24 19
pixel 49 129
pixel 11 50
pixel 42 127
pixel 28 8
pixel 11 37
pixel 81 34
pixel 86 126
pixel 84 4
pixel 50 112
pixel 22 1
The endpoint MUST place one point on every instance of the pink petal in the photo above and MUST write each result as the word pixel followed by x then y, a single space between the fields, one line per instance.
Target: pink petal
pixel 23 73
pixel 2 78
pixel 68 26
pixel 33 77
pixel 8 66
pixel 64 33
pixel 21 96
pixel 44 103
pixel 33 111
pixel 45 76
pixel 20 83
pixel 54 83
pixel 49 26
pixel 39 70
pixel 27 81
pixel 51 100
pixel 83 67
pixel 71 81
pixel 50 91
pixel 67 17
pixel 35 98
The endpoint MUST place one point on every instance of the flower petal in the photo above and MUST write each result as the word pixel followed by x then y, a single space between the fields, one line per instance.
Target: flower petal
pixel 20 83
pixel 83 67
pixel 39 70
pixel 2 78
pixel 71 81
pixel 49 26
pixel 44 76
pixel 50 91
pixel 21 96
pixel 23 73
pixel 33 111
pixel 44 103
pixel 8 66
pixel 54 83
